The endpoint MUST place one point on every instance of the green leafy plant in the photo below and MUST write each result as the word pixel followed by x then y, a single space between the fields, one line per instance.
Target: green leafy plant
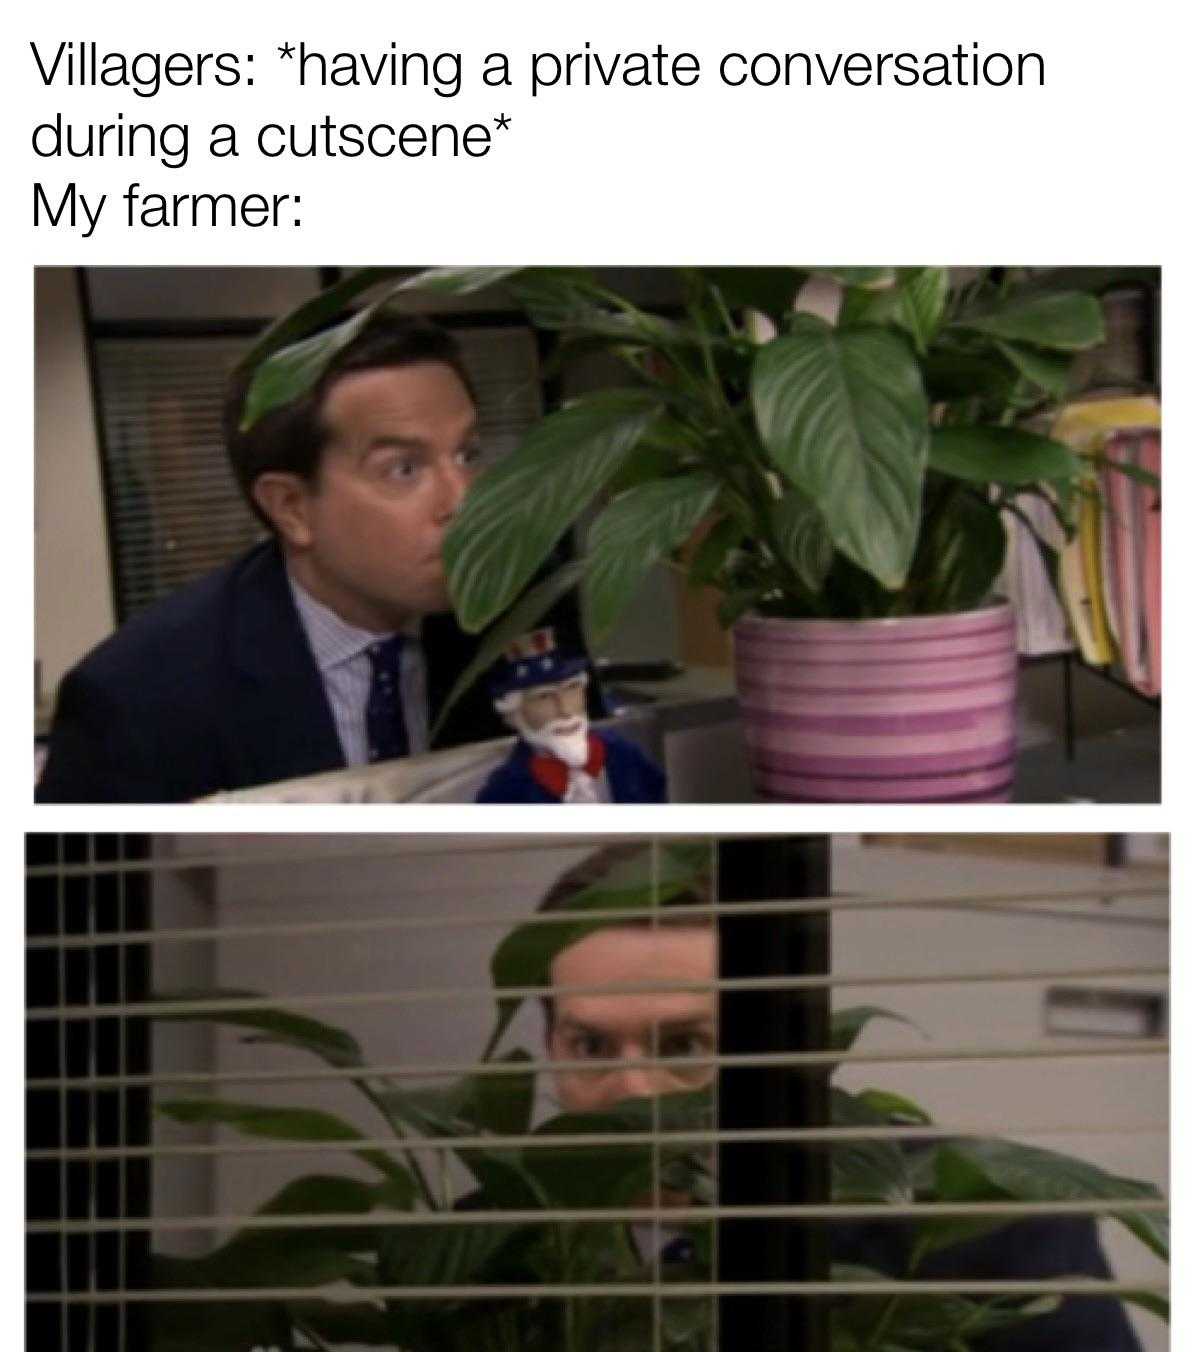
pixel 364 1251
pixel 854 468
pixel 369 1231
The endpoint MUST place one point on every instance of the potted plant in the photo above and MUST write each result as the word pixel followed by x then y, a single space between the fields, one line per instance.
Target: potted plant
pixel 326 1279
pixel 843 481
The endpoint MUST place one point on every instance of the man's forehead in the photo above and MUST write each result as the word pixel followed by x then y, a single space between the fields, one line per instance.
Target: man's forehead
pixel 618 954
pixel 399 397
pixel 665 1012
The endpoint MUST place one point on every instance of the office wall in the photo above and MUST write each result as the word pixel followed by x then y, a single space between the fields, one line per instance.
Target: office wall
pixel 73 606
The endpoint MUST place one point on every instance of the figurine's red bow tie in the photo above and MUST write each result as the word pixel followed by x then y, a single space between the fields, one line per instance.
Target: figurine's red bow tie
pixel 552 774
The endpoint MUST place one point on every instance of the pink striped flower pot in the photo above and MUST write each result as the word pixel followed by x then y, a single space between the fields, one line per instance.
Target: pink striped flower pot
pixel 920 709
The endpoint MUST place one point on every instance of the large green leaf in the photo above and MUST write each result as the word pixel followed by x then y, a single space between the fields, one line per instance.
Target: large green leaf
pixel 866 1170
pixel 842 413
pixel 922 1323
pixel 922 302
pixel 1029 1173
pixel 860 276
pixel 632 534
pixel 1147 478
pixel 1149 1300
pixel 477 1104
pixel 340 1322
pixel 570 298
pixel 443 1255
pixel 713 552
pixel 315 312
pixel 953 374
pixel 333 1045
pixel 455 281
pixel 803 538
pixel 845 1025
pixel 867 305
pixel 289 364
pixel 890 1107
pixel 604 1176
pixel 208 1326
pixel 294 370
pixel 312 1255
pixel 520 620
pixel 502 1104
pixel 516 511
pixel 1000 455
pixel 285 1124
pixel 960 554
pixel 955 1321
pixel 1068 320
pixel 1049 371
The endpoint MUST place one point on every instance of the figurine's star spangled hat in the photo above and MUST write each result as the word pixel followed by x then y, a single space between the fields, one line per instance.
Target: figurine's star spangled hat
pixel 532 660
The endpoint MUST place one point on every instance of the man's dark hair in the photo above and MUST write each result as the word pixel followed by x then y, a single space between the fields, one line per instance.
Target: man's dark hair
pixel 597 866
pixel 292 437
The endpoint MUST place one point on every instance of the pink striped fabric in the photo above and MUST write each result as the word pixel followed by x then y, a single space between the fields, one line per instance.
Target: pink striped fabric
pixel 921 709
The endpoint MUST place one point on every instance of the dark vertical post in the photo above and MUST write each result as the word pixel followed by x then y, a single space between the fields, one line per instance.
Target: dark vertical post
pixel 765 869
pixel 1069 704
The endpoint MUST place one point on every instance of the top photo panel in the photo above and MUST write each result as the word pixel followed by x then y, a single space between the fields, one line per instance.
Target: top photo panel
pixel 539 535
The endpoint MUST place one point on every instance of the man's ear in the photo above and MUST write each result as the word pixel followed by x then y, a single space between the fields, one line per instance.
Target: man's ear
pixel 286 501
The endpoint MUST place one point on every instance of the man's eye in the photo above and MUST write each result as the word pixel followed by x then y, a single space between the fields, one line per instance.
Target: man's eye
pixel 685 1044
pixel 471 454
pixel 589 1046
pixel 403 469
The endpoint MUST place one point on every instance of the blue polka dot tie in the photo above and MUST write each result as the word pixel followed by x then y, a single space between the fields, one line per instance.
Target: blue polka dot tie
pixel 387 736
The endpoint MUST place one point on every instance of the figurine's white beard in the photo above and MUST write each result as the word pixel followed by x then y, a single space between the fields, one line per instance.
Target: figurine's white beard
pixel 564 738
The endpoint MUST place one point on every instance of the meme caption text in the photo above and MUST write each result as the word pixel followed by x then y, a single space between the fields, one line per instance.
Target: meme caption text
pixel 148 81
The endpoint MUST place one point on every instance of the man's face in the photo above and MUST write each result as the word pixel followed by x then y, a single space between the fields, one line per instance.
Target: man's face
pixel 401 452
pixel 627 1026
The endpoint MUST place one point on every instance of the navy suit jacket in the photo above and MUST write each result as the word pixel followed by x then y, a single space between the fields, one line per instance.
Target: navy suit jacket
pixel 1034 1249
pixel 216 688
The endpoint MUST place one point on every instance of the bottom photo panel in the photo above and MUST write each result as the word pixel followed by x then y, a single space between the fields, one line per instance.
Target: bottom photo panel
pixel 874 1093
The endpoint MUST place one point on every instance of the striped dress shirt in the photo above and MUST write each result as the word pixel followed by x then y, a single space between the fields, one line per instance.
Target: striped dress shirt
pixel 340 652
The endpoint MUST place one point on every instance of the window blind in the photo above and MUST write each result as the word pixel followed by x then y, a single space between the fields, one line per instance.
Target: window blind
pixel 258 1113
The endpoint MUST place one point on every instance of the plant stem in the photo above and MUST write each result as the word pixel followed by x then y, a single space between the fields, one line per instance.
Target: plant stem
pixel 410 1159
pixel 885 1318
pixel 893 1303
pixel 723 310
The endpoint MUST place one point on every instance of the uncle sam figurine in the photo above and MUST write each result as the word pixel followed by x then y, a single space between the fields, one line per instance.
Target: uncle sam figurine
pixel 541 693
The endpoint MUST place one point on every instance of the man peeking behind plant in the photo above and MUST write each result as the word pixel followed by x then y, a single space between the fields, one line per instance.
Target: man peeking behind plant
pixel 675 950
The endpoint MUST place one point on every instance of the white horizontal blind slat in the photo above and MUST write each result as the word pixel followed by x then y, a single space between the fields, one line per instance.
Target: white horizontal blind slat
pixel 1031 1051
pixel 835 1211
pixel 584 1140
pixel 456 994
pixel 470 920
pixel 1081 1286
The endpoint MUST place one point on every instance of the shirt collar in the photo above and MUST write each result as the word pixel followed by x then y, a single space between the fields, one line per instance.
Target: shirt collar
pixel 334 640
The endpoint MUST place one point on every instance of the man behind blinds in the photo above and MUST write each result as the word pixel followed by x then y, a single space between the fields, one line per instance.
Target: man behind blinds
pixel 590 1024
